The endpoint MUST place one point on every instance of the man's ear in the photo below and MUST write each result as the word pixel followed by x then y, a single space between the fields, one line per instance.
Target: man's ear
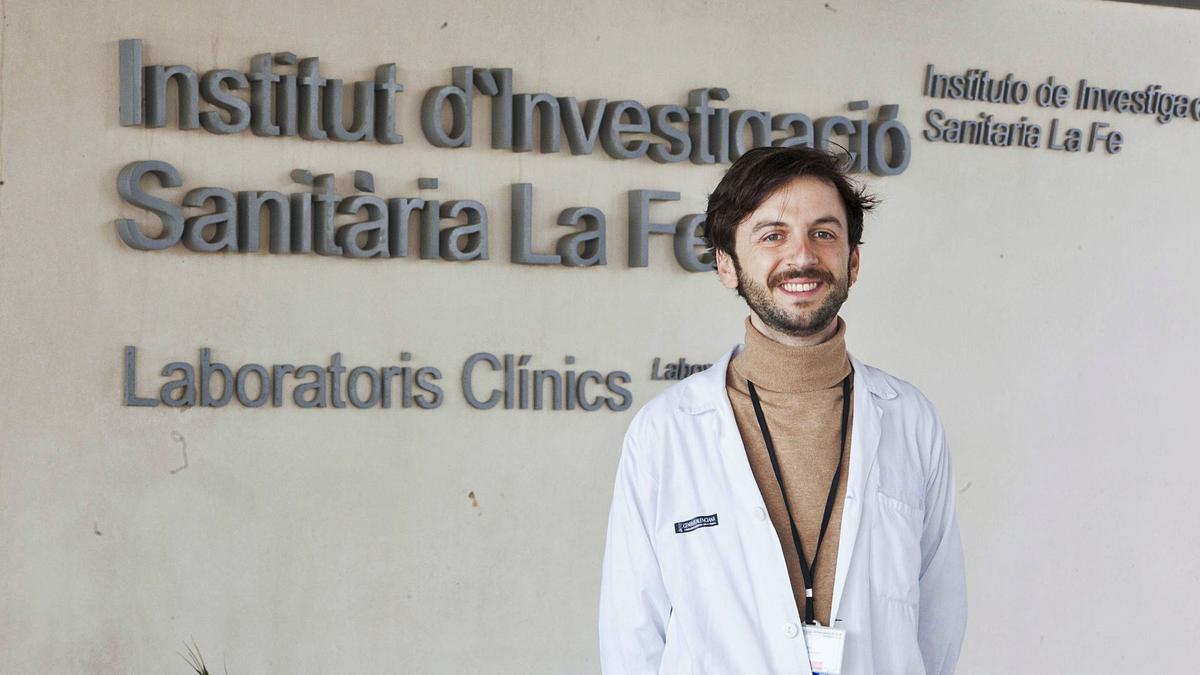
pixel 854 265
pixel 725 270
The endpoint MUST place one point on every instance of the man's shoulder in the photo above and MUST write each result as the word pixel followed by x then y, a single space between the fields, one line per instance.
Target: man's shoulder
pixel 680 403
pixel 676 401
pixel 887 386
pixel 908 407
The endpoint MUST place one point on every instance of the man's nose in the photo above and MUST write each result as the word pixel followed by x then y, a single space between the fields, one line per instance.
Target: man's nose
pixel 800 252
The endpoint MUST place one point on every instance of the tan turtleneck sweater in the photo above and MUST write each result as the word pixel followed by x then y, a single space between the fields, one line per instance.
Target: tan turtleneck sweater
pixel 800 389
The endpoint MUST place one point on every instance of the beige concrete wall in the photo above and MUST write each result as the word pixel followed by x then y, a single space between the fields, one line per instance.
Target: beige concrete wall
pixel 1045 301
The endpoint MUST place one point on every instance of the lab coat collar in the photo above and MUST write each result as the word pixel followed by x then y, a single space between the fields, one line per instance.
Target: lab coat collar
pixel 705 392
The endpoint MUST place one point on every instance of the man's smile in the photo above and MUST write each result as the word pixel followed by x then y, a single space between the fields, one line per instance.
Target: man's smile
pixel 802 284
pixel 800 288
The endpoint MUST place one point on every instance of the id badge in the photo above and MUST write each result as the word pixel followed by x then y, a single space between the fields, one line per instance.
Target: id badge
pixel 825 647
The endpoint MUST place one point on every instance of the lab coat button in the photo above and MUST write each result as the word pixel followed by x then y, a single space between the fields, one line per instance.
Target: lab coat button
pixel 760 513
pixel 790 630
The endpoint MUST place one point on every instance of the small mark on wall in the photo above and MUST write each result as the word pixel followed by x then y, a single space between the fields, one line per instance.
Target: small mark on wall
pixel 474 501
pixel 965 488
pixel 178 438
pixel 96 529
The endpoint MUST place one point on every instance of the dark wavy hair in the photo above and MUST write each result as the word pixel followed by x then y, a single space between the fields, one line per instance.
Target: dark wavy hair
pixel 756 175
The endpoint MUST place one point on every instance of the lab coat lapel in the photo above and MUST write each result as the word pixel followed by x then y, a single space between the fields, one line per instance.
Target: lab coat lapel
pixel 707 394
pixel 864 447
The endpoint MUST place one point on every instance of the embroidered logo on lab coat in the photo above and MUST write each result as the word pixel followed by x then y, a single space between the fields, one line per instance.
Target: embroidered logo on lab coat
pixel 696 523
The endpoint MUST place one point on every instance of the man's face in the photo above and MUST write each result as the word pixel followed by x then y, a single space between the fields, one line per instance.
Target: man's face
pixel 794 265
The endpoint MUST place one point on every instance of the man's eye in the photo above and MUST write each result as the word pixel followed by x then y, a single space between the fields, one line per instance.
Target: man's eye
pixel 772 236
pixel 822 234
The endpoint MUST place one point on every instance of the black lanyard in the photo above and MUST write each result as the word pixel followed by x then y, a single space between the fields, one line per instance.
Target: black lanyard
pixel 805 569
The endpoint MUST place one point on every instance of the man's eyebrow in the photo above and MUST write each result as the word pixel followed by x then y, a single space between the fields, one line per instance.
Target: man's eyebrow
pixel 823 220
pixel 765 223
pixel 827 219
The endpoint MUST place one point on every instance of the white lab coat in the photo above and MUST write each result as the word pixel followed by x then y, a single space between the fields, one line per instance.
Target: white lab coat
pixel 717 600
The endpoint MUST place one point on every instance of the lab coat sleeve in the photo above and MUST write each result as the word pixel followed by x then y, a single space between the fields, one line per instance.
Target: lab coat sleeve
pixel 943 611
pixel 634 607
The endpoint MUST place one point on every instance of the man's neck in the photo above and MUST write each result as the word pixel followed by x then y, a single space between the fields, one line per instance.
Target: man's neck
pixel 795 340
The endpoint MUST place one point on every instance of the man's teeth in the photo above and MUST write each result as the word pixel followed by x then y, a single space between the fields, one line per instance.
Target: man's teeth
pixel 793 287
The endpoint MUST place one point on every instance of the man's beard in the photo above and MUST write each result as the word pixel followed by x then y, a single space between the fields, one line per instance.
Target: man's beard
pixel 760 301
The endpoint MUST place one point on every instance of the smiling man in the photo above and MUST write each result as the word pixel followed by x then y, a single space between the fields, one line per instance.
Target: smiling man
pixel 790 509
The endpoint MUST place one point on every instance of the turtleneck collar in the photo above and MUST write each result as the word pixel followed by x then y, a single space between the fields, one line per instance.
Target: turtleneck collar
pixel 778 367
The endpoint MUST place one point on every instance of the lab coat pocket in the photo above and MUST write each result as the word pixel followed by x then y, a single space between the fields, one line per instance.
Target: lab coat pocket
pixel 896 536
